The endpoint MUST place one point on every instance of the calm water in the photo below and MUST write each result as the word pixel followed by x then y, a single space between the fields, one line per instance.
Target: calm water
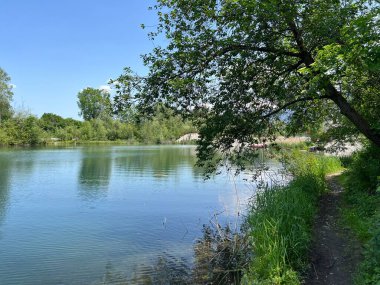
pixel 100 215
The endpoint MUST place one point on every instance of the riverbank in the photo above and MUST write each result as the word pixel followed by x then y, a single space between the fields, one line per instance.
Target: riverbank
pixel 340 245
pixel 116 142
pixel 69 143
pixel 280 221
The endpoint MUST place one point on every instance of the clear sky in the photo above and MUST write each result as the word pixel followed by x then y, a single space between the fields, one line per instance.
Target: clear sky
pixel 54 48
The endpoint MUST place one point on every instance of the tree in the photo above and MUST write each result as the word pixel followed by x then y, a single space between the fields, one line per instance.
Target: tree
pixel 51 122
pixel 123 106
pixel 6 95
pixel 94 103
pixel 23 130
pixel 244 67
pixel 70 122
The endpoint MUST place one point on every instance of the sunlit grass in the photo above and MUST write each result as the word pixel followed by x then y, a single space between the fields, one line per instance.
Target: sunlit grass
pixel 281 221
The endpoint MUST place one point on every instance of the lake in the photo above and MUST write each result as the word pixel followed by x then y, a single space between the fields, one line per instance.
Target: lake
pixel 106 214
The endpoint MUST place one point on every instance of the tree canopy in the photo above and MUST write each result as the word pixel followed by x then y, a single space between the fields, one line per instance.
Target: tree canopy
pixel 50 122
pixel 246 68
pixel 6 96
pixel 94 103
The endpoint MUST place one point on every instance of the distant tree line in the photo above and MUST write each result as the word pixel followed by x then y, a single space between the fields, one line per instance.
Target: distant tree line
pixel 103 121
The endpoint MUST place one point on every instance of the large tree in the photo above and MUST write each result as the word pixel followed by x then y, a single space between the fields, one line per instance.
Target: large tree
pixel 246 67
pixel 6 96
pixel 94 103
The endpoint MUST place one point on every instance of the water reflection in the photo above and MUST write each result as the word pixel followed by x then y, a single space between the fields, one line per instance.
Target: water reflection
pixel 219 258
pixel 12 167
pixel 153 202
pixel 24 166
pixel 95 173
pixel 160 162
pixel 6 165
pixel 167 269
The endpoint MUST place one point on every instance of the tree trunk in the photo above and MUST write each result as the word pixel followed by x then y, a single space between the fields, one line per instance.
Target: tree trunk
pixel 347 110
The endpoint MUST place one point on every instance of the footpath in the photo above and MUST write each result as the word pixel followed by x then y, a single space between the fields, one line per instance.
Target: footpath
pixel 335 253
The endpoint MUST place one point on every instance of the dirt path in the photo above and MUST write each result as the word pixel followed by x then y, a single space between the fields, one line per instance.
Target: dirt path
pixel 335 252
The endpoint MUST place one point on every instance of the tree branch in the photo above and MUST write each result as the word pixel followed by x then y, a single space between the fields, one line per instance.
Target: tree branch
pixel 350 113
pixel 304 54
pixel 235 47
pixel 291 68
pixel 292 103
pixel 240 47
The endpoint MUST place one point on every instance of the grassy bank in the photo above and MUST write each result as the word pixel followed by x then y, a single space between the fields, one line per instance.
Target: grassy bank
pixel 117 142
pixel 281 219
pixel 361 211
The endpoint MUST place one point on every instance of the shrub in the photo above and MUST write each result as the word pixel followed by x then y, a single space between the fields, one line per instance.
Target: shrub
pixel 369 270
pixel 362 210
pixel 22 130
pixel 364 173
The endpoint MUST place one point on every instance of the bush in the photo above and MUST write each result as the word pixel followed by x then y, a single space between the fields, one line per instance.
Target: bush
pixel 21 130
pixel 4 138
pixel 369 270
pixel 86 131
pixel 99 130
pixel 364 172
pixel 362 210
pixel 68 133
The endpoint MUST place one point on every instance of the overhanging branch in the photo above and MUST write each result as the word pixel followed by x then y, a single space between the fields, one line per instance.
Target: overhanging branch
pixel 240 47
pixel 292 103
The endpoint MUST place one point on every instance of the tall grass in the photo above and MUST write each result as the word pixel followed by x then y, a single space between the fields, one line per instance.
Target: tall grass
pixel 280 221
pixel 361 211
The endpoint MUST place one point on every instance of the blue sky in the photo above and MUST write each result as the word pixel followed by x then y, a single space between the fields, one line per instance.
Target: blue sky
pixel 54 48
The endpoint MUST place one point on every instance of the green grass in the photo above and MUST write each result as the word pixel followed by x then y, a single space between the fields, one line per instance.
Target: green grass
pixel 281 220
pixel 292 146
pixel 362 214
pixel 361 210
